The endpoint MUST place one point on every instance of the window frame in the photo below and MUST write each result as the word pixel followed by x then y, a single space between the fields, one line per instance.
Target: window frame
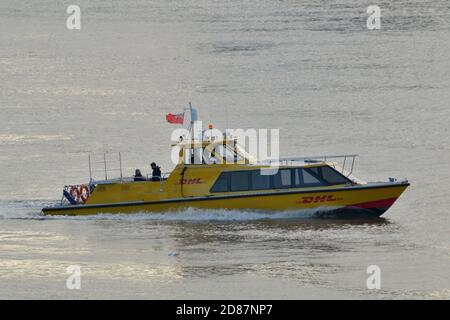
pixel 290 186
pixel 227 175
pixel 249 184
pixel 251 180
pixel 293 184
pixel 340 174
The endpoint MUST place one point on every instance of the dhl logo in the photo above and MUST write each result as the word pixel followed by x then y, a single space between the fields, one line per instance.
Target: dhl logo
pixel 190 181
pixel 316 199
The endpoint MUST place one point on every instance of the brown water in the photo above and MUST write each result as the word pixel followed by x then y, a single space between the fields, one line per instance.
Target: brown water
pixel 309 68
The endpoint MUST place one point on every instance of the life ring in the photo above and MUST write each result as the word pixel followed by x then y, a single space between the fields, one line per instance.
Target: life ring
pixel 75 193
pixel 84 195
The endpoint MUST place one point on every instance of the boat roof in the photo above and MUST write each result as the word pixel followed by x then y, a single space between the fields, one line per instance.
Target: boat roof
pixel 311 159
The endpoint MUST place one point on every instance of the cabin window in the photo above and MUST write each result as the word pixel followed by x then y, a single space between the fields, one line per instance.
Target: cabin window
pixel 260 181
pixel 332 176
pixel 221 184
pixel 310 177
pixel 305 177
pixel 298 177
pixel 314 170
pixel 318 176
pixel 239 181
pixel 282 179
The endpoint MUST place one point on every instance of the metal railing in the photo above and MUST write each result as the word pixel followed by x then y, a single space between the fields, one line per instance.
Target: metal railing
pixel 107 164
pixel 104 160
pixel 313 159
pixel 163 176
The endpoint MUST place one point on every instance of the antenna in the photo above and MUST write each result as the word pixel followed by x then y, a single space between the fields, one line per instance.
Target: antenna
pixel 191 124
pixel 226 117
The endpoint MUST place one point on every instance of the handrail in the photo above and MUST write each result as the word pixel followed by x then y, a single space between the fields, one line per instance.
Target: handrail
pixel 104 161
pixel 323 158
pixel 163 175
pixel 316 157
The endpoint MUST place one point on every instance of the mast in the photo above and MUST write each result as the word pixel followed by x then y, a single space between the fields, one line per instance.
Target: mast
pixel 191 124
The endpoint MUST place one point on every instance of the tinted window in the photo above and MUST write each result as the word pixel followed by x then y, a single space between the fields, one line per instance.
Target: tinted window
pixel 221 184
pixel 314 171
pixel 307 177
pixel 282 179
pixel 260 181
pixel 239 181
pixel 332 176
pixel 303 177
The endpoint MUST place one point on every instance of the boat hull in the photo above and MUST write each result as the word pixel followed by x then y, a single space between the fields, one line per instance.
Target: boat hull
pixel 372 200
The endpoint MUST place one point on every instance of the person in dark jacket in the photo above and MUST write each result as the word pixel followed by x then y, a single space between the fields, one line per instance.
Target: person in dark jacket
pixel 156 174
pixel 138 176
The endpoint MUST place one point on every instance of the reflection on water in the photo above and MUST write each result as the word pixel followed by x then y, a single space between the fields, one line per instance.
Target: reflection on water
pixel 158 254
pixel 196 232
pixel 310 69
pixel 294 249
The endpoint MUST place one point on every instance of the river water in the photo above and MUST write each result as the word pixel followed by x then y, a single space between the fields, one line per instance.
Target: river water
pixel 309 68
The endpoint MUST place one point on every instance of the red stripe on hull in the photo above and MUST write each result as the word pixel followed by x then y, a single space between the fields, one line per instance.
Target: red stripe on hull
pixel 386 203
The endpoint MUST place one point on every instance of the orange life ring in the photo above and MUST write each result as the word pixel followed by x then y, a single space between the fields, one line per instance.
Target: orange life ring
pixel 84 195
pixel 75 193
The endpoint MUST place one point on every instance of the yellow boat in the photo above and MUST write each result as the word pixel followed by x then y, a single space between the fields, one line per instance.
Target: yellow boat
pixel 298 184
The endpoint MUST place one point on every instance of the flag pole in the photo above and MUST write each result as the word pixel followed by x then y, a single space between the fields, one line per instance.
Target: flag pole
pixel 191 129
pixel 191 125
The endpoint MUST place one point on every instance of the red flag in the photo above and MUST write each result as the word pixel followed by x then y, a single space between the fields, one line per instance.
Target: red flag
pixel 175 118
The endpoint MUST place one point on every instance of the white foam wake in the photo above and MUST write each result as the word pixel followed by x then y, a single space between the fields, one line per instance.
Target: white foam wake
pixel 194 214
pixel 31 210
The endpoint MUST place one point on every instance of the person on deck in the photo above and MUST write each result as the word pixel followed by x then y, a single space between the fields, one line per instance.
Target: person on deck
pixel 156 174
pixel 138 176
